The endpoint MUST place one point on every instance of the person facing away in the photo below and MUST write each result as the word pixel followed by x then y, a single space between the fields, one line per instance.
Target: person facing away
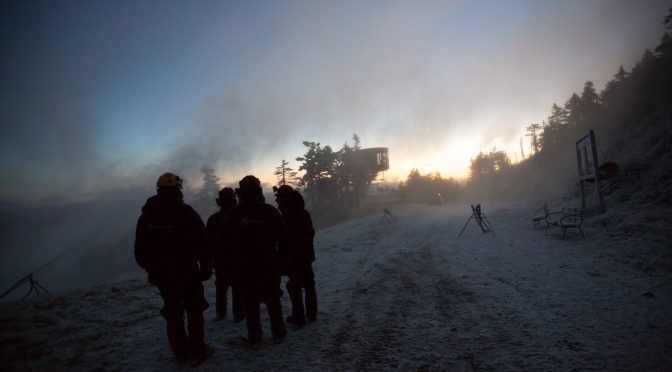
pixel 171 245
pixel 223 266
pixel 254 235
pixel 301 275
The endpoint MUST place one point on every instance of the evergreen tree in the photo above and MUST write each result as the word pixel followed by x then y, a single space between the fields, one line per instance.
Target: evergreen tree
pixel 551 132
pixel 286 175
pixel 590 104
pixel 589 97
pixel 574 110
pixel 485 165
pixel 613 94
pixel 431 188
pixel 621 75
pixel 204 201
pixel 532 131
pixel 318 164
pixel 481 166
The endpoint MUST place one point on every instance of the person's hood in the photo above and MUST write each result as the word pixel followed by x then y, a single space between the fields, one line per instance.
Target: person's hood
pixel 163 200
pixel 251 196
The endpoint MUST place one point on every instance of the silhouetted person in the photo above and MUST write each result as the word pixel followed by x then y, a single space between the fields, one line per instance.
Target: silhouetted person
pixel 301 275
pixel 171 245
pixel 255 236
pixel 224 270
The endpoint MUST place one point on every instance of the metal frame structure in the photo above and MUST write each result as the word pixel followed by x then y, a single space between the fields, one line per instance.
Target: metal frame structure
pixel 480 219
pixel 588 166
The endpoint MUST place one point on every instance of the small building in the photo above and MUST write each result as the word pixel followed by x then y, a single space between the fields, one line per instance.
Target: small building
pixel 372 160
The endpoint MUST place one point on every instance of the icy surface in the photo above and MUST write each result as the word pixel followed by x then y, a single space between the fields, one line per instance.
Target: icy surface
pixel 410 295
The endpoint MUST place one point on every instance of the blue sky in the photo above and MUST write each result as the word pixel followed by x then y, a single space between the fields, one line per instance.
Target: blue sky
pixel 99 94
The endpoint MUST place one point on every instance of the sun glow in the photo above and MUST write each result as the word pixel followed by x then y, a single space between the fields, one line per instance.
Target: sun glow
pixel 451 160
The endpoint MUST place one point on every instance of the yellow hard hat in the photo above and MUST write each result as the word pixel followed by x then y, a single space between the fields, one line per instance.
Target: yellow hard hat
pixel 169 180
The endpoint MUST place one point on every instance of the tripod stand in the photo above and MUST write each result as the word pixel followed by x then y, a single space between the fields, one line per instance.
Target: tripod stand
pixel 480 219
pixel 34 286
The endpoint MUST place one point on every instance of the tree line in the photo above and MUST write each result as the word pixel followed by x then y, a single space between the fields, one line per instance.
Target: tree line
pixel 329 180
pixel 626 98
pixel 629 96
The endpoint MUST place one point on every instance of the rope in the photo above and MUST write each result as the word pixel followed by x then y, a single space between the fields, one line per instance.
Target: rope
pixel 53 260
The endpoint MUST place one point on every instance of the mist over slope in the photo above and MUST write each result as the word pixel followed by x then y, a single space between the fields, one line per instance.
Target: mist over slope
pixel 92 242
pixel 70 245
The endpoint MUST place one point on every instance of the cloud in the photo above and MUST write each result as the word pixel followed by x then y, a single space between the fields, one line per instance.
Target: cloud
pixel 236 86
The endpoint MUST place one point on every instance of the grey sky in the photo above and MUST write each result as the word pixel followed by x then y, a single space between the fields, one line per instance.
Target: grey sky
pixel 111 94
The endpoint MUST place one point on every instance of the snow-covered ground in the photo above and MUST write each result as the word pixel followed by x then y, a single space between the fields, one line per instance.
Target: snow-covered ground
pixel 411 295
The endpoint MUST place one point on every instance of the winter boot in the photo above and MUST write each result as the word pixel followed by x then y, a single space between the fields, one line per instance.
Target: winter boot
pixel 205 353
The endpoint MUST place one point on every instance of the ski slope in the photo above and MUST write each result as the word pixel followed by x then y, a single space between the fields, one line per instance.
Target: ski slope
pixel 410 295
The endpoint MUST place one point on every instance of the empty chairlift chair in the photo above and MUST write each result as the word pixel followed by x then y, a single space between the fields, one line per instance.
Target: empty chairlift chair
pixel 569 218
pixel 540 216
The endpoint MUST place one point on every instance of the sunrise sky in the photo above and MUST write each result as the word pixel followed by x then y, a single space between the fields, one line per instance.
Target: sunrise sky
pixel 103 94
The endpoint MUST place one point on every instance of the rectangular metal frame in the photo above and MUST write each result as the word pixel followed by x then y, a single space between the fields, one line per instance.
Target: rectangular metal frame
pixel 588 166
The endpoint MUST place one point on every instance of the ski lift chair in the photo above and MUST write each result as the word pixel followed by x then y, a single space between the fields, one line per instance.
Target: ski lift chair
pixel 570 218
pixel 539 216
pixel 545 215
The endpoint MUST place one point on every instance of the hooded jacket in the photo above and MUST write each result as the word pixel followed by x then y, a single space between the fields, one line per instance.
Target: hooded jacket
pixel 300 226
pixel 170 240
pixel 222 263
pixel 253 235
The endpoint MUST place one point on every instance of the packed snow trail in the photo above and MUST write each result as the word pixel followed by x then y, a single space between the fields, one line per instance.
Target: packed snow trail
pixel 410 295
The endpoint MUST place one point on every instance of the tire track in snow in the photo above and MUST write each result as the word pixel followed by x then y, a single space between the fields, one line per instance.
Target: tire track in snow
pixel 417 299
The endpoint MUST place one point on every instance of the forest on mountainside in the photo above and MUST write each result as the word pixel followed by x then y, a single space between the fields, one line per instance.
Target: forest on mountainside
pixel 631 118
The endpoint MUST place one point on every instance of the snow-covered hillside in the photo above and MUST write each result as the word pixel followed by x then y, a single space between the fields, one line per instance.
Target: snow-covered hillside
pixel 410 295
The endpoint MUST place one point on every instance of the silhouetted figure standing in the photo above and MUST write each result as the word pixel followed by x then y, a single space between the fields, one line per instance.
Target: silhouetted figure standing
pixel 224 270
pixel 254 235
pixel 171 245
pixel 301 275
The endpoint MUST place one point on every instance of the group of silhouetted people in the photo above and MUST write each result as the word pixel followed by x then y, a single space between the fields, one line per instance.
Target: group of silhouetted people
pixel 249 244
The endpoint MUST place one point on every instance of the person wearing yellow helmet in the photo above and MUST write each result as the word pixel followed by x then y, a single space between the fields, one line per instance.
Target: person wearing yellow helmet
pixel 171 245
pixel 168 180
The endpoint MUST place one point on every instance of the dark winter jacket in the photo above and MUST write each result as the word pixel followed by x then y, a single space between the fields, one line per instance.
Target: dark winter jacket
pixel 300 226
pixel 222 263
pixel 170 241
pixel 254 235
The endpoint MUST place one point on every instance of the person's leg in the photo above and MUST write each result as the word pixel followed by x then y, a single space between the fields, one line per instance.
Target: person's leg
pixel 220 298
pixel 237 302
pixel 173 312
pixel 195 303
pixel 311 294
pixel 251 300
pixel 274 308
pixel 253 322
pixel 296 297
